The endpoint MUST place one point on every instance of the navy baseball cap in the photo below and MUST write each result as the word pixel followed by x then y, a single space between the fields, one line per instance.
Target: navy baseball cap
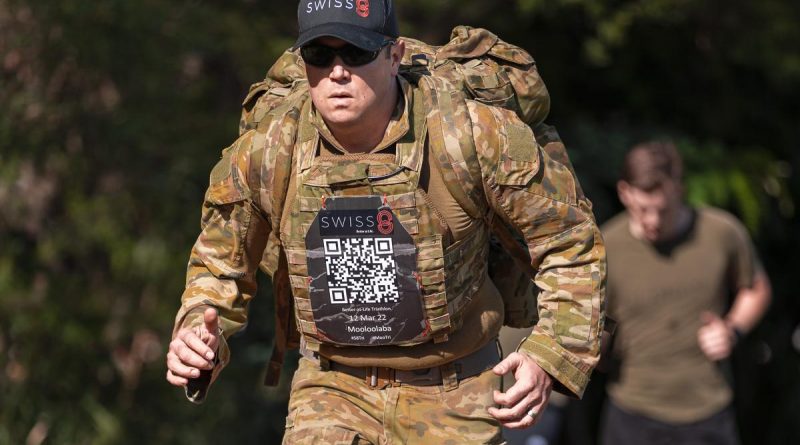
pixel 366 24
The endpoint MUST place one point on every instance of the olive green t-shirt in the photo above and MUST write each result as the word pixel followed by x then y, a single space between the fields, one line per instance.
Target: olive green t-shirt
pixel 657 293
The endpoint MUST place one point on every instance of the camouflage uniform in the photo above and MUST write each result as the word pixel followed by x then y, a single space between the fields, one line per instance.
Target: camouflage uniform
pixel 534 193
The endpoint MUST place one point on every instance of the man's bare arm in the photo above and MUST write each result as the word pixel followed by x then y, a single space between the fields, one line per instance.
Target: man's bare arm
pixel 718 336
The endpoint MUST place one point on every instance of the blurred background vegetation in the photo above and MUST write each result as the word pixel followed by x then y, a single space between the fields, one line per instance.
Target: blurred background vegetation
pixel 113 112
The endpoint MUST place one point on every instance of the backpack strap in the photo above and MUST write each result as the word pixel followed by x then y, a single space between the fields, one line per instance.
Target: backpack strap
pixel 307 140
pixel 280 136
pixel 451 144
pixel 284 321
pixel 277 135
pixel 410 148
pixel 457 160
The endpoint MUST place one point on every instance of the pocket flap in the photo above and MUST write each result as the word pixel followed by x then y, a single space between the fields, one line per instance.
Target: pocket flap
pixel 226 192
pixel 225 185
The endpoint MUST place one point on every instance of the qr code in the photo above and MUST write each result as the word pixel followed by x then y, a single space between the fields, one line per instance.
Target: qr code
pixel 361 270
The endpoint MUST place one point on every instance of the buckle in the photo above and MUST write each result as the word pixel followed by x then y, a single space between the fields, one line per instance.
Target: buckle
pixel 379 377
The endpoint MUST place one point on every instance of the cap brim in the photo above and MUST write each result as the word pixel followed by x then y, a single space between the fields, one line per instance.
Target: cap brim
pixel 360 37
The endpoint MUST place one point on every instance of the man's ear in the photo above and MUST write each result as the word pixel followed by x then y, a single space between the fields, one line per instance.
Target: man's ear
pixel 624 191
pixel 397 51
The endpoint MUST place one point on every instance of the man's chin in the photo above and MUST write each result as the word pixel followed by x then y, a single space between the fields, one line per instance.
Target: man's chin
pixel 342 118
pixel 653 237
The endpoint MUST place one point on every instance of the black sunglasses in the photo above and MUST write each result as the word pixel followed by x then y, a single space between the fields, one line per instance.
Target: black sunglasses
pixel 322 56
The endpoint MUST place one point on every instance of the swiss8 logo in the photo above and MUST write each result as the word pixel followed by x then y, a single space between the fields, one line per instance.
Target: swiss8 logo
pixel 362 8
pixel 385 224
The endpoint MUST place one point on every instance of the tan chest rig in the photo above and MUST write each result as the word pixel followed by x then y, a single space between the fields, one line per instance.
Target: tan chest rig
pixel 434 279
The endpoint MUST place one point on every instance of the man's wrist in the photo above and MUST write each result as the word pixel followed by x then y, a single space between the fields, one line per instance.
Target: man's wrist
pixel 736 333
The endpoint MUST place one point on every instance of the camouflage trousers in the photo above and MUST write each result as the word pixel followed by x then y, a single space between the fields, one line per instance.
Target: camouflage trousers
pixel 328 407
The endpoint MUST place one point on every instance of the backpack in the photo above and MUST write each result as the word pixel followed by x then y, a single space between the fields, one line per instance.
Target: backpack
pixel 482 67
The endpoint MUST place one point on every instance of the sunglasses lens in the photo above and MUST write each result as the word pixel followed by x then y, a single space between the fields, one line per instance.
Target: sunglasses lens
pixel 317 55
pixel 322 56
pixel 354 56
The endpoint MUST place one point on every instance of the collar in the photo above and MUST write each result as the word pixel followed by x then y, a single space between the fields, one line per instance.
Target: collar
pixel 397 128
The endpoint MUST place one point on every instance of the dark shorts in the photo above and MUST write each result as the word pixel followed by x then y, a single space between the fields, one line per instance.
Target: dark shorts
pixel 622 428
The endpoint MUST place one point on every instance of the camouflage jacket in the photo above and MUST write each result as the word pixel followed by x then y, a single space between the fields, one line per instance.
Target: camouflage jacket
pixel 536 194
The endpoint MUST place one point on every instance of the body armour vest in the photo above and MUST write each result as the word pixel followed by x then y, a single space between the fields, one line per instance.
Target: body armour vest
pixel 369 262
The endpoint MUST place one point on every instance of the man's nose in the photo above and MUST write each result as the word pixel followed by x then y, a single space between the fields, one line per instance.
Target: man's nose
pixel 652 220
pixel 339 71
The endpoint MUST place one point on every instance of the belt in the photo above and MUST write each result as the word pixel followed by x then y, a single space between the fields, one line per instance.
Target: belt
pixel 380 377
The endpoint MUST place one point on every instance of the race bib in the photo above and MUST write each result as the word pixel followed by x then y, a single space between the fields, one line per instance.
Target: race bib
pixel 362 264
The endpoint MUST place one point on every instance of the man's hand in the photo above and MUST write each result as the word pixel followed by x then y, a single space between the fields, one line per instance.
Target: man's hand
pixel 530 394
pixel 715 337
pixel 193 349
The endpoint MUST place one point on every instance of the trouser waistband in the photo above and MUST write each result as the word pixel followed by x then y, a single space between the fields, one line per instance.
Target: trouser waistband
pixel 379 377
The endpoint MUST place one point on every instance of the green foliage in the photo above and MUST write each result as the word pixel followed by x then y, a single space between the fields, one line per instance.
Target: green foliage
pixel 115 111
pixel 743 181
pixel 114 114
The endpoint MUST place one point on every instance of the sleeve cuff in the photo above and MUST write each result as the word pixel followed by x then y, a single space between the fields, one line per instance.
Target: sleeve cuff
pixel 570 375
pixel 197 389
